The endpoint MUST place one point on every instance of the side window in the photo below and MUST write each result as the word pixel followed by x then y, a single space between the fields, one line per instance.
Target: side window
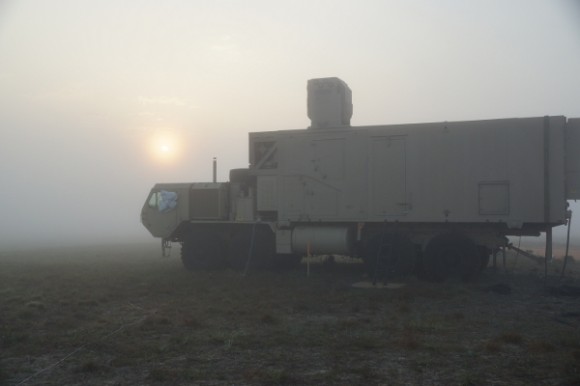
pixel 153 200
pixel 163 200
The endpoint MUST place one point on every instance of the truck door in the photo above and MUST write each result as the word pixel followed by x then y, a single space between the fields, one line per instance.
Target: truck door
pixel 159 213
pixel 388 176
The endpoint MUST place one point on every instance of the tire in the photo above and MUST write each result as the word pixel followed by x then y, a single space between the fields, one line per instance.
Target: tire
pixel 451 255
pixel 202 250
pixel 388 255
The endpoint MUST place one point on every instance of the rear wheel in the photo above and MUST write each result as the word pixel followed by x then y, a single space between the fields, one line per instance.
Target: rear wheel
pixel 451 255
pixel 388 255
pixel 202 250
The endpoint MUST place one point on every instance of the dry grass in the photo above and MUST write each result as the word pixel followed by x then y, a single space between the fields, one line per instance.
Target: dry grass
pixel 123 315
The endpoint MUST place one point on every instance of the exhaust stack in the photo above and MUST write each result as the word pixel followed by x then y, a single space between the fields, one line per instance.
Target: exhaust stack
pixel 214 169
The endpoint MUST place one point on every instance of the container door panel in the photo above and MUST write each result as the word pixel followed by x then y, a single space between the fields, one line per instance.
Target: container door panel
pixel 388 176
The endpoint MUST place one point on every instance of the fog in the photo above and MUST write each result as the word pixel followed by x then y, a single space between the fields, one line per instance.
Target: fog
pixel 100 100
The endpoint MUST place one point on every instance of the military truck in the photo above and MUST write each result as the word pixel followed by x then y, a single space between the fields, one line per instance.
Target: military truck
pixel 434 199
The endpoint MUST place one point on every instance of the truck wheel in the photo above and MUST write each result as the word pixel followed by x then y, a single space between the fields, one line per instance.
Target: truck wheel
pixel 451 255
pixel 253 246
pixel 202 251
pixel 389 254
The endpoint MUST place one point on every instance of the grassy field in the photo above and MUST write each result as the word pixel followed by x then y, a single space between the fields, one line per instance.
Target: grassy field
pixel 123 315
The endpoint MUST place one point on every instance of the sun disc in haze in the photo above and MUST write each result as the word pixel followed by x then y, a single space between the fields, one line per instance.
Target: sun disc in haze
pixel 163 147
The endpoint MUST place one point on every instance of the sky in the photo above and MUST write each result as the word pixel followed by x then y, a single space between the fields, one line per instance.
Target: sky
pixel 99 100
